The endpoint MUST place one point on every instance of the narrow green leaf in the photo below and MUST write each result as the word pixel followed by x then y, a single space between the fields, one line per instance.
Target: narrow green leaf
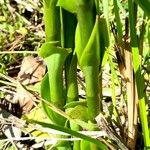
pixel 138 76
pixel 145 5
pixel 73 133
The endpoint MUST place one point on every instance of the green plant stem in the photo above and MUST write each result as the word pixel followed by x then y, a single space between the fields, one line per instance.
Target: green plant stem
pixel 90 65
pixel 85 22
pixel 75 127
pixel 51 20
pixel 103 37
pixel 53 82
pixel 84 14
pixel 69 26
pixel 55 70
pixel 86 50
pixel 71 79
pixel 138 75
pixel 92 90
pixel 54 58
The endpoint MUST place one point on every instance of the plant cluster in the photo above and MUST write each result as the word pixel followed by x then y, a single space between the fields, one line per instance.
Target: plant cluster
pixel 98 38
pixel 81 32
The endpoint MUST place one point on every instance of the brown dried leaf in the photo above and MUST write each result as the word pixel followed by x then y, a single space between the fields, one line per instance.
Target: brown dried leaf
pixel 32 70
pixel 26 99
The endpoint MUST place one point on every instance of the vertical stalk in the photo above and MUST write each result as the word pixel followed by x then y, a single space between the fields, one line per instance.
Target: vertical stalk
pixel 55 64
pixel 85 13
pixel 138 75
pixel 51 20
pixel 92 90
pixel 88 59
pixel 71 78
pixel 90 65
pixel 52 32
pixel 69 25
pixel 86 50
pixel 131 99
pixel 54 58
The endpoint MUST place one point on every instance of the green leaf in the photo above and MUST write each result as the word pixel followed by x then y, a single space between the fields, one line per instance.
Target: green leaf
pixel 69 5
pixel 79 112
pixel 50 48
